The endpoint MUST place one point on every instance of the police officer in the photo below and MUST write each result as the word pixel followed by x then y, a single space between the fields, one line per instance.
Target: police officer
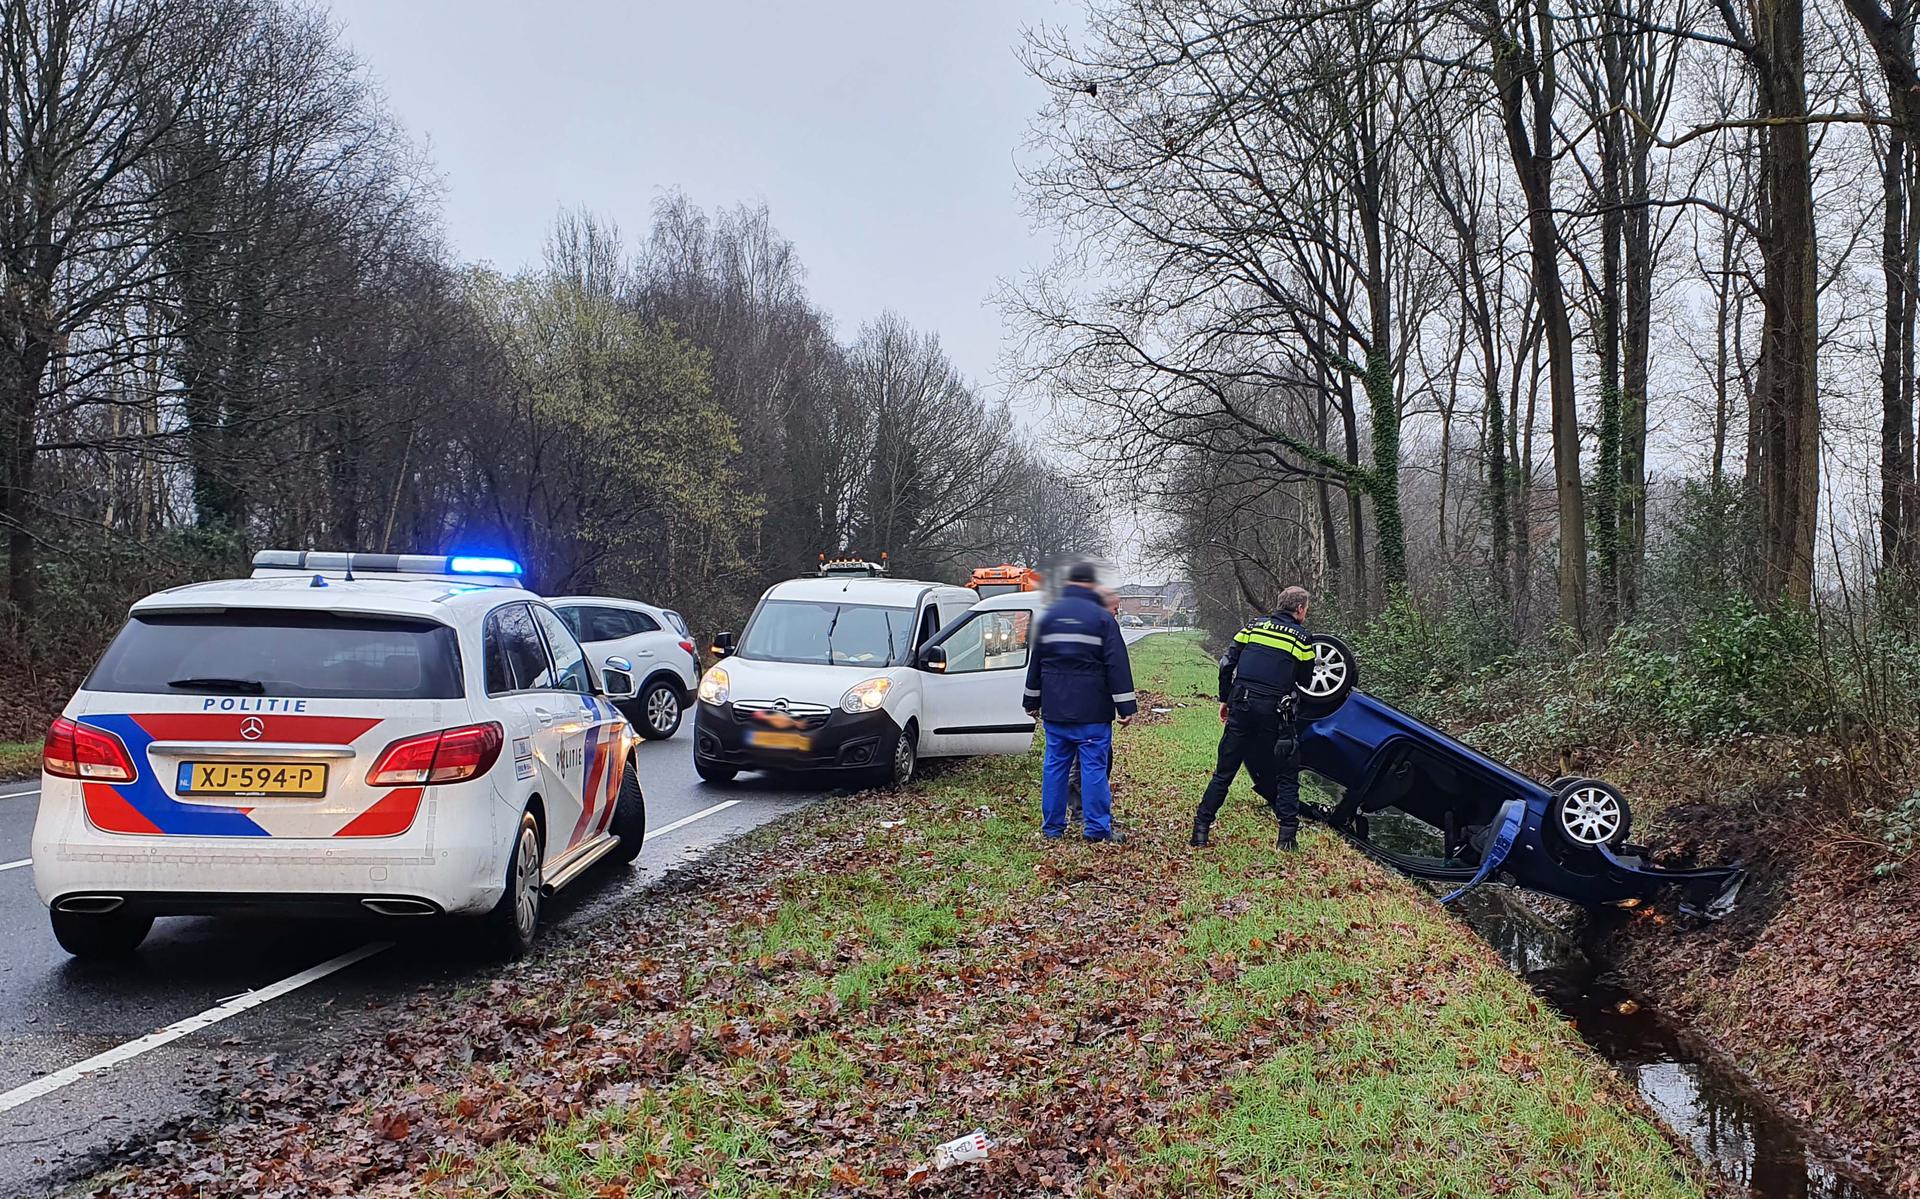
pixel 1078 681
pixel 1258 676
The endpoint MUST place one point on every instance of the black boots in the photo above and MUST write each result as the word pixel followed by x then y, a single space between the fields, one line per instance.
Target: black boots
pixel 1199 839
pixel 1287 842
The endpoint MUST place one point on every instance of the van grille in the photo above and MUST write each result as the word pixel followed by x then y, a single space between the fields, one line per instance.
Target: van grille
pixel 782 714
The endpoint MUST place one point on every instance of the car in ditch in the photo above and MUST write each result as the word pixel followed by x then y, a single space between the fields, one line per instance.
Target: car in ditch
pixel 1483 820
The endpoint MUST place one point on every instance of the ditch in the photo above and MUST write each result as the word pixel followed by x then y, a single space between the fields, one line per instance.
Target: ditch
pixel 1741 1136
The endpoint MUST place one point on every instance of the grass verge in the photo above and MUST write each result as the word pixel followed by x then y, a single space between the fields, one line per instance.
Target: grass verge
pixel 863 982
pixel 19 759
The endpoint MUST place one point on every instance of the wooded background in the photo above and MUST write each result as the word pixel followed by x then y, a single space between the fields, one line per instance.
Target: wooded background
pixel 1493 303
pixel 228 320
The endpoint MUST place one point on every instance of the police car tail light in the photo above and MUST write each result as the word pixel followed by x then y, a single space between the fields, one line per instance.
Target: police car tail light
pixel 444 756
pixel 79 751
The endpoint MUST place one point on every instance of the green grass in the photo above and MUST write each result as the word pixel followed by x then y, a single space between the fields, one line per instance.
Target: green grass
pixel 889 972
pixel 19 759
pixel 1228 1022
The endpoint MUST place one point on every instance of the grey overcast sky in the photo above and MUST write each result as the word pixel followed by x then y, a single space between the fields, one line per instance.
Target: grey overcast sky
pixel 881 133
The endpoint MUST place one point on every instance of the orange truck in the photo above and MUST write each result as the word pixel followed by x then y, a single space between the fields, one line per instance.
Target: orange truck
pixel 1004 579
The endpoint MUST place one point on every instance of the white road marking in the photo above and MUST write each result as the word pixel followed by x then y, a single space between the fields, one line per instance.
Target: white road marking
pixel 50 1083
pixel 686 820
pixel 18 794
pixel 180 1028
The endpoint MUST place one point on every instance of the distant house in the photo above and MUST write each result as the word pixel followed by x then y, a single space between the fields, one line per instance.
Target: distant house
pixel 1156 603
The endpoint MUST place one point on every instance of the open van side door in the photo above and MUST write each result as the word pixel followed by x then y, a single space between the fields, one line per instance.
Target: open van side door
pixel 974 704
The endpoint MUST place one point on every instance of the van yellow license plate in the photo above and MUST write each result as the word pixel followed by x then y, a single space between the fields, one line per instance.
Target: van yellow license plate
pixel 765 740
pixel 252 778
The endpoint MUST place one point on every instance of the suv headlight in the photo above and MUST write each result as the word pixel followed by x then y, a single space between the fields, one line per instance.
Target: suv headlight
pixel 867 696
pixel 714 686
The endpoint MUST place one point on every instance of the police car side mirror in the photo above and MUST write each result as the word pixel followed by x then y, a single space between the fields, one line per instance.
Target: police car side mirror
pixel 722 645
pixel 934 658
pixel 617 681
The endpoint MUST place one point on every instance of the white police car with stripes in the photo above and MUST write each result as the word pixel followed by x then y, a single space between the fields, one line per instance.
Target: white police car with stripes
pixel 401 735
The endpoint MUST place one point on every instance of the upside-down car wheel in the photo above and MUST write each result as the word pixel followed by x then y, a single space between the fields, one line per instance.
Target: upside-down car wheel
pixel 1589 812
pixel 1335 674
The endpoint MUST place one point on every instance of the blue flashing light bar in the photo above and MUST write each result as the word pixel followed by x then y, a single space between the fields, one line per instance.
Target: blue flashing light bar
pixel 465 565
pixel 471 569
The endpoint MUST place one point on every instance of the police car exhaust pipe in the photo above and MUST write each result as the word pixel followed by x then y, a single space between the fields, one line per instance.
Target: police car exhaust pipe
pixel 89 905
pixel 400 907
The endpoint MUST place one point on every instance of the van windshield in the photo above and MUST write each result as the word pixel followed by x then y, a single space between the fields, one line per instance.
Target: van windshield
pixel 829 634
pixel 316 655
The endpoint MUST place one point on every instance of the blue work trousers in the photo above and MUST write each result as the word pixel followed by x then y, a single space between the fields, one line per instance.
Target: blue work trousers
pixel 1092 744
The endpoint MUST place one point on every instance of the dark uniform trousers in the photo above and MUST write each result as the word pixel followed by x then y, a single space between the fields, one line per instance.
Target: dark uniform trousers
pixel 1260 733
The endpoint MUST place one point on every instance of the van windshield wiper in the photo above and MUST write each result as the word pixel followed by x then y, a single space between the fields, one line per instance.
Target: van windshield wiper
pixel 220 686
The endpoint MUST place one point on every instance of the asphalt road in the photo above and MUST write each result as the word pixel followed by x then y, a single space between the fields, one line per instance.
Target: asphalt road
pixel 55 1012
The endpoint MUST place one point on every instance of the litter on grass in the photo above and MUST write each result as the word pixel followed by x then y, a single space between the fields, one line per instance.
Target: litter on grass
pixel 970 1148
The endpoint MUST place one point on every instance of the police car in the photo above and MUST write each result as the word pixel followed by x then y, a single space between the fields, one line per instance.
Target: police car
pixel 401 735
pixel 855 672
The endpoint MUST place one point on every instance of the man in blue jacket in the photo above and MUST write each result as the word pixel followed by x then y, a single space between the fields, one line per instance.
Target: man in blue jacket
pixel 1078 681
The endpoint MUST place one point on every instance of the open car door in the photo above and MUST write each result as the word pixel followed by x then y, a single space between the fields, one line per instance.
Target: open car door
pixel 974 685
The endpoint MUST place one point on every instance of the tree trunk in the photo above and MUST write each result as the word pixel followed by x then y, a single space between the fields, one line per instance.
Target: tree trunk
pixel 1524 84
pixel 1787 395
pixel 1896 461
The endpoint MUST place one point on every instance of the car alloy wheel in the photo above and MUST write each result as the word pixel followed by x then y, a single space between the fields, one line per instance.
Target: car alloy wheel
pixel 1591 813
pixel 663 711
pixel 1330 670
pixel 1334 676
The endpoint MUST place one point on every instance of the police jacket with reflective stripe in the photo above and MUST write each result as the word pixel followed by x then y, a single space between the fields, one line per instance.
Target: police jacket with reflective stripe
pixel 1272 655
pixel 1078 672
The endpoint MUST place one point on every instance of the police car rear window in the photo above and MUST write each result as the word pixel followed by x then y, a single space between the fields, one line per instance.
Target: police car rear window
pixel 317 655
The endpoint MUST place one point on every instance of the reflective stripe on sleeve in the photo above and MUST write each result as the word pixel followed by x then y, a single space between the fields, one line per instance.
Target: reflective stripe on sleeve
pixel 1123 697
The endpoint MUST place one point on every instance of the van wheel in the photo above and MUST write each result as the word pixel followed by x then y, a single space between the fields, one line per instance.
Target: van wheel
pixel 1335 674
pixel 99 934
pixel 629 819
pixel 516 918
pixel 714 772
pixel 898 771
pixel 659 710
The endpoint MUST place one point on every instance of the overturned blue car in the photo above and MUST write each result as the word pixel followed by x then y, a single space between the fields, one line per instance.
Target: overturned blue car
pixel 1485 821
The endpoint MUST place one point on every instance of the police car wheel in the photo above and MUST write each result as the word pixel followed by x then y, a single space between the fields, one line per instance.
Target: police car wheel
pixel 629 819
pixel 1335 674
pixel 99 934
pixel 516 918
pixel 1588 812
pixel 659 711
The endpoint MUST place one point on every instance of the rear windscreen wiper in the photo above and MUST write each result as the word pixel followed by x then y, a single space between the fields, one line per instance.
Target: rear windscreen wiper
pixel 221 686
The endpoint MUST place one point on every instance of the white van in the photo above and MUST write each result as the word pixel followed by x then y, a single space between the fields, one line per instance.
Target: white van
pixel 865 673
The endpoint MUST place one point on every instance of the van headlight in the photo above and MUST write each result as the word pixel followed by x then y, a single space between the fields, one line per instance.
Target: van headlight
pixel 867 696
pixel 714 687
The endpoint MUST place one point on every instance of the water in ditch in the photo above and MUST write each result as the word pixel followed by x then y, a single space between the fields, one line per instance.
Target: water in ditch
pixel 1739 1134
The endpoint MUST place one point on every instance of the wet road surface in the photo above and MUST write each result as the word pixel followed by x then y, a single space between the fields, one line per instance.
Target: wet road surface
pixel 56 1012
